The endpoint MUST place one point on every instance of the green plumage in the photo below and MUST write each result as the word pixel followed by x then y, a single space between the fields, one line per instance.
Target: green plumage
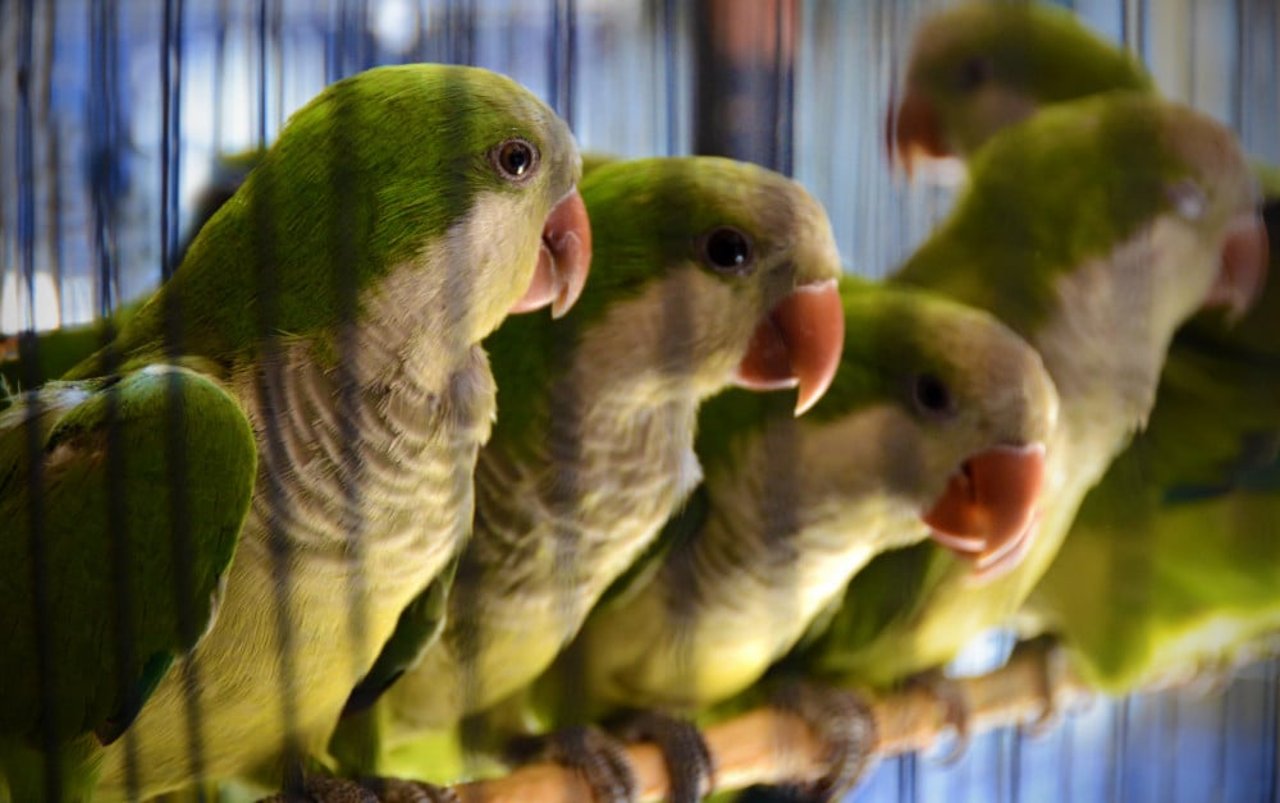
pixel 1180 534
pixel 789 510
pixel 121 565
pixel 593 446
pixel 985 66
pixel 1069 233
pixel 310 212
pixel 382 205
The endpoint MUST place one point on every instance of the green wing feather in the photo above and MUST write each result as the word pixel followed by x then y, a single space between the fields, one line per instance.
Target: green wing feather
pixel 87 481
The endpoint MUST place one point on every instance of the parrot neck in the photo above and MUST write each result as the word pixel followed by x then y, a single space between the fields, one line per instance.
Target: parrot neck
pixel 1104 349
pixel 368 446
pixel 1106 344
pixel 781 524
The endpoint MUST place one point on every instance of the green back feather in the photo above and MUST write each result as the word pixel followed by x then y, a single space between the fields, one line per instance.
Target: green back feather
pixel 98 500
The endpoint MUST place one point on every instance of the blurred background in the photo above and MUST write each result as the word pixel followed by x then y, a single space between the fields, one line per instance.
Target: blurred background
pixel 114 114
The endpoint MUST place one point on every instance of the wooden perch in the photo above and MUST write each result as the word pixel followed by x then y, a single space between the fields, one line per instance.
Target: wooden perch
pixel 769 746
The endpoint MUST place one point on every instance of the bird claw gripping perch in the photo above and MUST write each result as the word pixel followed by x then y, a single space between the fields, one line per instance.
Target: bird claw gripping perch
pixel 845 722
pixel 690 765
pixel 320 789
pixel 600 759
pixel 955 704
pixel 1051 665
pixel 397 790
pixel 323 789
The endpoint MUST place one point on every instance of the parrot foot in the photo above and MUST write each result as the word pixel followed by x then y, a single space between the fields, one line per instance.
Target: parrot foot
pixel 1051 664
pixel 396 790
pixel 599 758
pixel 323 789
pixel 690 765
pixel 955 704
pixel 845 722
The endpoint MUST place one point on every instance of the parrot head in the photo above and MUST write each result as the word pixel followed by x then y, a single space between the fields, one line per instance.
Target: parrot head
pixel 503 169
pixel 1208 190
pixel 1143 204
pixel 977 68
pixel 946 412
pixel 728 271
pixel 438 196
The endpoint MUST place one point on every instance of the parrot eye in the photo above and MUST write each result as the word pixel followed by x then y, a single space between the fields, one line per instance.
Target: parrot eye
pixel 1187 198
pixel 932 396
pixel 516 159
pixel 974 73
pixel 728 250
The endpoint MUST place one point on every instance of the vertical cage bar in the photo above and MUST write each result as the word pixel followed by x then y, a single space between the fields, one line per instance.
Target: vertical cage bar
pixel 562 59
pixel 1271 698
pixel 53 153
pixel 105 122
pixel 104 153
pixel 742 89
pixel 1120 713
pixel 181 543
pixel 221 21
pixel 27 348
pixel 670 75
pixel 907 778
pixel 270 399
pixel 346 248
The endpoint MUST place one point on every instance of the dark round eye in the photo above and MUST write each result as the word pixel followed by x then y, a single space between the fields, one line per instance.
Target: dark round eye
pixel 974 73
pixel 728 250
pixel 516 159
pixel 931 395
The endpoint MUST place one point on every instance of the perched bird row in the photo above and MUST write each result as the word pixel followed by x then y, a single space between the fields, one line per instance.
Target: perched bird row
pixel 319 504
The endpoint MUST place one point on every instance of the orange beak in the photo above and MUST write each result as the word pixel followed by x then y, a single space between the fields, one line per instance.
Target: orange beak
pixel 911 131
pixel 988 511
pixel 1243 272
pixel 797 344
pixel 563 260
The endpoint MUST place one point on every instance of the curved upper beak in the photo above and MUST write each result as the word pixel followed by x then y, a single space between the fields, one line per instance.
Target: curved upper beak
pixel 797 344
pixel 988 511
pixel 563 260
pixel 1243 271
pixel 911 131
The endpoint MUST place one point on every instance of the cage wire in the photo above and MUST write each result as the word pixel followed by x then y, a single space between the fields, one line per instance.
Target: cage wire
pixel 118 114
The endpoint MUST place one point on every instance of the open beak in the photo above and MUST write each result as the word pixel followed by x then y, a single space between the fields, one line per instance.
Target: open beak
pixel 988 512
pixel 563 260
pixel 797 344
pixel 1243 272
pixel 911 132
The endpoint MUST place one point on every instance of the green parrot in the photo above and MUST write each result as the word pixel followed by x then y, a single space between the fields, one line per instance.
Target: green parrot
pixel 1206 462
pixel 927 391
pixel 85 686
pixel 400 216
pixel 977 68
pixel 708 272
pixel 1094 230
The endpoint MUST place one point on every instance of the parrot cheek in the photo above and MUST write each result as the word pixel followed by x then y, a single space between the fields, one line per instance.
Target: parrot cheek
pixel 564 259
pixel 1242 274
pixel 798 344
pixel 989 509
